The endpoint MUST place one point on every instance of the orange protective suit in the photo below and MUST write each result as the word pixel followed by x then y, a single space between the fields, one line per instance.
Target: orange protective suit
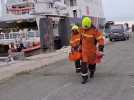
pixel 75 40
pixel 75 54
pixel 90 38
pixel 75 47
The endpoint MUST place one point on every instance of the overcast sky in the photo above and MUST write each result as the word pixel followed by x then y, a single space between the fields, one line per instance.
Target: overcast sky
pixel 119 9
pixel 0 7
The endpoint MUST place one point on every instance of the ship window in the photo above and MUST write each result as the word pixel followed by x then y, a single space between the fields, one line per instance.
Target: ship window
pixel 75 13
pixel 36 1
pixel 15 35
pixel 31 34
pixel 50 5
pixel 1 36
pixel 57 0
pixel 72 2
pixel 65 2
pixel 6 36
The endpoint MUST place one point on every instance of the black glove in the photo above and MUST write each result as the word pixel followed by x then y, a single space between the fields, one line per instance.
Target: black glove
pixel 101 48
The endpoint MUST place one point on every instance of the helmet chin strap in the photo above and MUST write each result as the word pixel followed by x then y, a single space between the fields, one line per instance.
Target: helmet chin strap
pixel 86 28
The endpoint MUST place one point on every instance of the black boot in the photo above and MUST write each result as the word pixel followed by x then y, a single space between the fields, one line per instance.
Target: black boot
pixel 91 74
pixel 84 79
pixel 78 70
pixel 92 69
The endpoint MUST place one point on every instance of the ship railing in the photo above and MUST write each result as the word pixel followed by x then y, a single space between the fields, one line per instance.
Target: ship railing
pixel 17 35
pixel 9 36
pixel 22 11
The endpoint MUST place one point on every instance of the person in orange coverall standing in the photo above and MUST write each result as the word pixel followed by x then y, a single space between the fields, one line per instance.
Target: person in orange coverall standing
pixel 90 37
pixel 75 45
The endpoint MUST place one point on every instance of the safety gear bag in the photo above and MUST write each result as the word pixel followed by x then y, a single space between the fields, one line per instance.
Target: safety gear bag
pixel 74 56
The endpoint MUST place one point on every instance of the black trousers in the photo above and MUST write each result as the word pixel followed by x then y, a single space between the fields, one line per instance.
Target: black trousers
pixel 87 67
pixel 78 65
pixel 92 67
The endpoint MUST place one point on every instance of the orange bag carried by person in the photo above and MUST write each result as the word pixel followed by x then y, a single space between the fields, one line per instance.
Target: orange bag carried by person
pixel 74 56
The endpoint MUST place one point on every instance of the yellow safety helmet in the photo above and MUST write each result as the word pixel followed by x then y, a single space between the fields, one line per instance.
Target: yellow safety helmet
pixel 86 22
pixel 75 27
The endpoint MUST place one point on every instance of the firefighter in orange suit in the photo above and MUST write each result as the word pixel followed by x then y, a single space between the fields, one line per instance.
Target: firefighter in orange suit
pixel 90 37
pixel 75 45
